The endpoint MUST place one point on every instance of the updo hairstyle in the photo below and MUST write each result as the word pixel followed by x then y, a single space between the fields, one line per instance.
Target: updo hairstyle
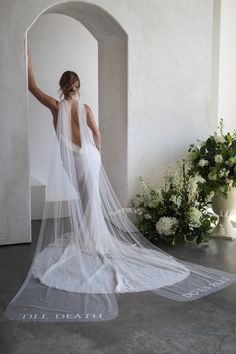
pixel 69 84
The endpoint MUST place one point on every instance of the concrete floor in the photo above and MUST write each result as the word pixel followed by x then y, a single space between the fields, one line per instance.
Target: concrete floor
pixel 147 323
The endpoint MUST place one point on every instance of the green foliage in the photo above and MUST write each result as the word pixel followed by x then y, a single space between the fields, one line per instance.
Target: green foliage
pixel 174 213
pixel 178 211
pixel 215 161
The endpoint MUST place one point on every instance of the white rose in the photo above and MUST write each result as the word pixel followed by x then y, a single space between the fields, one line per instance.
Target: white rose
pixel 219 139
pixel 203 163
pixel 166 225
pixel 218 159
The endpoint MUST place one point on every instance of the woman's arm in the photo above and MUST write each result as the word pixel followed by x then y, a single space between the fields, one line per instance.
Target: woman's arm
pixel 46 100
pixel 93 126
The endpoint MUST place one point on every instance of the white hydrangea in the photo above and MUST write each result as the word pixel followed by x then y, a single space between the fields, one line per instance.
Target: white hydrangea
pixel 219 139
pixel 218 158
pixel 195 215
pixel 203 163
pixel 166 225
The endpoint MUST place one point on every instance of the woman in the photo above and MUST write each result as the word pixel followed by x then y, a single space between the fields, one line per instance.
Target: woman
pixel 88 249
pixel 69 85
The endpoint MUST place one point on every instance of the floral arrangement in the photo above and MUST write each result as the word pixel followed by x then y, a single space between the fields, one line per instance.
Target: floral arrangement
pixel 215 161
pixel 174 212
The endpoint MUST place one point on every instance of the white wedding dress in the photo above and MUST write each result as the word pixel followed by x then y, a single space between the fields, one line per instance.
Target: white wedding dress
pixel 88 249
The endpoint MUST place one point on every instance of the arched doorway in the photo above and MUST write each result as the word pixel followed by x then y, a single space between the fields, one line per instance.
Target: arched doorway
pixel 112 86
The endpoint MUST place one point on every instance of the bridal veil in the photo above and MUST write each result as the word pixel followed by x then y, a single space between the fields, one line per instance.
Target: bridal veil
pixel 88 249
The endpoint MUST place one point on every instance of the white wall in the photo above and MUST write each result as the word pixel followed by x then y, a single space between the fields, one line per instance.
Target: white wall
pixel 227 66
pixel 169 82
pixel 170 58
pixel 58 43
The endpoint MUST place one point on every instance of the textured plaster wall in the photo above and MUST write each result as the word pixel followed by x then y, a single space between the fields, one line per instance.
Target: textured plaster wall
pixel 169 81
pixel 227 67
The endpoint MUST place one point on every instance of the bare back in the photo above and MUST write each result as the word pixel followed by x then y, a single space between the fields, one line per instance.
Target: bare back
pixel 75 129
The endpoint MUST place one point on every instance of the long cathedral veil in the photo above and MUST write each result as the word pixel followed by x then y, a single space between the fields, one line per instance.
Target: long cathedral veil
pixel 89 250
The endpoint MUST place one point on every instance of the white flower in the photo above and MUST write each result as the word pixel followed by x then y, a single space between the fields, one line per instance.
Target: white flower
pixel 166 225
pixel 195 215
pixel 222 189
pixel 171 173
pixel 203 163
pixel 210 196
pixel 159 195
pixel 223 173
pixel 219 139
pixel 147 216
pixel 128 210
pixel 191 156
pixel 193 186
pixel 176 200
pixel 200 143
pixel 218 159
pixel 193 183
pixel 144 187
pixel 229 182
pixel 212 176
pixel 138 211
pixel 136 202
pixel 199 179
pixel 154 200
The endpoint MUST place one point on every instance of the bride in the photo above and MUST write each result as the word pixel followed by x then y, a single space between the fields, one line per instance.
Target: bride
pixel 88 250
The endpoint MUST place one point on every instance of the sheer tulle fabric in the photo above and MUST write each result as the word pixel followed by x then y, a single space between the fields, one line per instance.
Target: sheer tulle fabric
pixel 88 249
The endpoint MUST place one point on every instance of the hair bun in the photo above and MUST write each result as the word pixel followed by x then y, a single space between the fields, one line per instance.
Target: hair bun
pixel 69 84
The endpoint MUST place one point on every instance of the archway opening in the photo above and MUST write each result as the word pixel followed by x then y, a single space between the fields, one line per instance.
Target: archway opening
pixel 112 85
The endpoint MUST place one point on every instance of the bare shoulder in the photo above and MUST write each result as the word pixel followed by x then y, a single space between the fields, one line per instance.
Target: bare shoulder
pixel 57 103
pixel 88 109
